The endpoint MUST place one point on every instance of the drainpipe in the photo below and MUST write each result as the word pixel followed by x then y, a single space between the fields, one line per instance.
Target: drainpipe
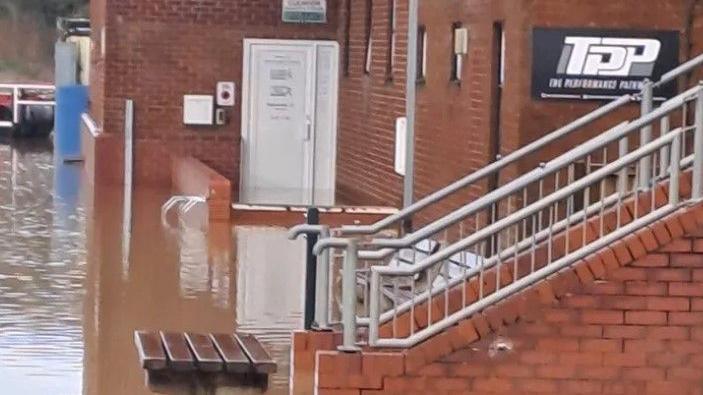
pixel 410 95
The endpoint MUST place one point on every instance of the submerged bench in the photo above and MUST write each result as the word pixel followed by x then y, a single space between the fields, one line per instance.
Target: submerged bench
pixel 178 352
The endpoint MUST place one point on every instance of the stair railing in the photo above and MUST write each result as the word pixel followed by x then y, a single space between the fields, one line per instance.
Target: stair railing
pixel 505 201
pixel 556 235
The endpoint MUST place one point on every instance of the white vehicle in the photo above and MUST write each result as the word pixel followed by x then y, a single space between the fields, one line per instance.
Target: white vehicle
pixel 27 110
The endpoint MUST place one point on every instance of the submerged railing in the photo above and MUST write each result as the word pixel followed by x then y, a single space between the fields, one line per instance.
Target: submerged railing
pixel 385 279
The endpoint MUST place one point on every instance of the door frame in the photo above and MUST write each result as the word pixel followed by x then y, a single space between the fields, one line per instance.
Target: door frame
pixel 246 119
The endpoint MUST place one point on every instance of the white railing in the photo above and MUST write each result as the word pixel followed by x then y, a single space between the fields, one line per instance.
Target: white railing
pixel 376 290
pixel 91 125
pixel 18 99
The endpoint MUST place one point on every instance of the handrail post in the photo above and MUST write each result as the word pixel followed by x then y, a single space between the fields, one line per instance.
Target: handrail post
pixel 623 145
pixel 375 308
pixel 322 285
pixel 674 192
pixel 349 297
pixel 664 154
pixel 697 192
pixel 646 132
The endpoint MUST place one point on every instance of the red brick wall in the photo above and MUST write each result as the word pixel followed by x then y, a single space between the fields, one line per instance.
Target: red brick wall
pixel 640 331
pixel 157 51
pixel 454 118
pixel 369 106
pixel 453 124
pixel 628 324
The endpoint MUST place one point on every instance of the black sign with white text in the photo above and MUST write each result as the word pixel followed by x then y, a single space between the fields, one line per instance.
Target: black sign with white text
pixel 592 64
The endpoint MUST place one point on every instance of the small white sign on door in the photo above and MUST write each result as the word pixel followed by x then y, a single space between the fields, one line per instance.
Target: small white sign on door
pixel 305 11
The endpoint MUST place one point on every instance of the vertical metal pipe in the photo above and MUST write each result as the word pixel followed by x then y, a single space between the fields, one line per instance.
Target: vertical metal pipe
pixel 622 180
pixel 410 96
pixel 323 285
pixel 15 106
pixel 674 192
pixel 698 148
pixel 127 192
pixel 375 308
pixel 349 297
pixel 646 132
pixel 313 218
pixel 664 128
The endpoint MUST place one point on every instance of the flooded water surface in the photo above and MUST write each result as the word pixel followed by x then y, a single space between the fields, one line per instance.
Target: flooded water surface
pixel 80 271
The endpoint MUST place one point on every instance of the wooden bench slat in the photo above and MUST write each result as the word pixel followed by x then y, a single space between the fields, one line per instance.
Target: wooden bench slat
pixel 151 352
pixel 206 356
pixel 177 351
pixel 259 357
pixel 231 352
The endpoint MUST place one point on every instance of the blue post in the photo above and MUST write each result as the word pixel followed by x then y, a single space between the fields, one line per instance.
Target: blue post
pixel 71 103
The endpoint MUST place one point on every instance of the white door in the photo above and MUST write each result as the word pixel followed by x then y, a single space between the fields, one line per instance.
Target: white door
pixel 289 122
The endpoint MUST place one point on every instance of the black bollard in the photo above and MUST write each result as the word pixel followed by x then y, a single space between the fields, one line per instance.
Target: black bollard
pixel 313 218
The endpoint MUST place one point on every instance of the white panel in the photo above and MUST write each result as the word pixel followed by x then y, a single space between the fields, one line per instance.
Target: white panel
pixel 401 132
pixel 461 41
pixel 103 42
pixel 198 109
pixel 326 124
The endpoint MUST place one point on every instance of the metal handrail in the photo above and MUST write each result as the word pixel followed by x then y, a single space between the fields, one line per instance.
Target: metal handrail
pixel 603 140
pixel 541 204
pixel 682 69
pixel 29 86
pixel 669 142
pixel 90 124
pixel 390 246
pixel 488 170
pixel 379 249
pixel 673 138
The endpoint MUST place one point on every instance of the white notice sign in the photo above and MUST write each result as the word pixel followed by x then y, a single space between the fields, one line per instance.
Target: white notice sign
pixel 305 11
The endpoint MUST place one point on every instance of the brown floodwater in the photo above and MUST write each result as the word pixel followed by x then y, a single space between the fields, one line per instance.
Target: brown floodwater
pixel 80 271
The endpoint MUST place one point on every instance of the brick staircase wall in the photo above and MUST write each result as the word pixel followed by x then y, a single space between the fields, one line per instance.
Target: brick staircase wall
pixel 626 320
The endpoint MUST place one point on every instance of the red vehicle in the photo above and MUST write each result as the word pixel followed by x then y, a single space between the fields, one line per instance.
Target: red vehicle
pixel 27 110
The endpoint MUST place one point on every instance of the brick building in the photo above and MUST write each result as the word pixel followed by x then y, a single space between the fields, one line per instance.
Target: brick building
pixel 155 52
pixel 639 329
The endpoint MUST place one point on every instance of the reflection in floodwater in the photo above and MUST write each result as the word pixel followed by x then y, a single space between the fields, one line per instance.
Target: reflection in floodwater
pixel 42 268
pixel 69 302
pixel 262 308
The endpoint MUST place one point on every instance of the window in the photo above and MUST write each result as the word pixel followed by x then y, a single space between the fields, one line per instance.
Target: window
pixel 390 55
pixel 421 54
pixel 369 32
pixel 347 38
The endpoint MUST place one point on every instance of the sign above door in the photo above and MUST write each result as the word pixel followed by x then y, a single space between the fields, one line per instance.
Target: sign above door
pixel 305 11
pixel 594 64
